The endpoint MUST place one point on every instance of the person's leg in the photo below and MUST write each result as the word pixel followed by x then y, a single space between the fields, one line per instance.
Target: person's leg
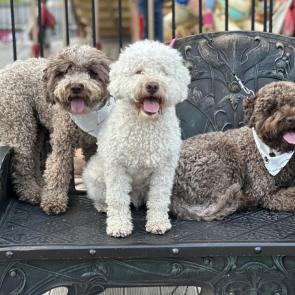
pixel 182 13
pixel 158 8
pixel 142 10
pixel 158 17
pixel 134 20
pixel 219 22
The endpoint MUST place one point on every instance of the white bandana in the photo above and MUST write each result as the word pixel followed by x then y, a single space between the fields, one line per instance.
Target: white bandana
pixel 93 121
pixel 274 161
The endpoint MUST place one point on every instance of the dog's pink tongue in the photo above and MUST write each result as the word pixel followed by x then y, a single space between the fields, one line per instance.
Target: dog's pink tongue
pixel 77 105
pixel 289 136
pixel 151 105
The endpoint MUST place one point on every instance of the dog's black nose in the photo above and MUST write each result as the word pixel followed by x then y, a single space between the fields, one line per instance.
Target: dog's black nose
pixel 291 120
pixel 77 87
pixel 152 87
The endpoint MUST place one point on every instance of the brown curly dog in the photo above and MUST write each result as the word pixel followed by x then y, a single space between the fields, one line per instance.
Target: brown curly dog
pixel 38 95
pixel 221 172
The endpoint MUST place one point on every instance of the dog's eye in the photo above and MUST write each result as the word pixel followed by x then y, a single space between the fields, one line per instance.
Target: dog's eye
pixel 270 107
pixel 59 74
pixel 138 72
pixel 92 74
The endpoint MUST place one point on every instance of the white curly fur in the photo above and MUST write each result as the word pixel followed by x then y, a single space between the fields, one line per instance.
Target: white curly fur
pixel 138 153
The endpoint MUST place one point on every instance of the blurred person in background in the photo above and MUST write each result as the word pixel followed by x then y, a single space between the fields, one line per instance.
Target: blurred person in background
pixel 136 22
pixel 186 19
pixel 48 23
pixel 239 12
pixel 208 16
pixel 289 18
pixel 158 18
pixel 283 17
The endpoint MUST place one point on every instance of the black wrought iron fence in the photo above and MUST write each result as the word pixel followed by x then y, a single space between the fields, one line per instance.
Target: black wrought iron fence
pixel 267 20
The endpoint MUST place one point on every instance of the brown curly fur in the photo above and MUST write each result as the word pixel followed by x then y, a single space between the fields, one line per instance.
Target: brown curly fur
pixel 221 172
pixel 34 95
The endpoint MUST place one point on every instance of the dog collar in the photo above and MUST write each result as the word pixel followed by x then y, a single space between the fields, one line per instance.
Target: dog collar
pixel 273 160
pixel 94 120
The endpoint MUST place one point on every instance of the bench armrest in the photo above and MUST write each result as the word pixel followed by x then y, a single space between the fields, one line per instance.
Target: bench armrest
pixel 5 154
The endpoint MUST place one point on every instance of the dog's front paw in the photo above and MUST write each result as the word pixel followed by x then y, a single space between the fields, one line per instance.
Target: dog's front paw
pixel 54 204
pixel 30 194
pixel 119 228
pixel 158 227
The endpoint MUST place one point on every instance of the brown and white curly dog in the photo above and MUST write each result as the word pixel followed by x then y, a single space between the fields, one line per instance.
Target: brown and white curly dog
pixel 39 94
pixel 221 172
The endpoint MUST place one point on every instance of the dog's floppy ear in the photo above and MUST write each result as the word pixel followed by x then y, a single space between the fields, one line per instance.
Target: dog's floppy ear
pixel 115 81
pixel 47 85
pixel 248 105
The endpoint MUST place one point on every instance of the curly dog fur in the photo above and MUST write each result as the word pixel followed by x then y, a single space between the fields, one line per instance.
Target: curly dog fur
pixel 139 148
pixel 221 172
pixel 38 93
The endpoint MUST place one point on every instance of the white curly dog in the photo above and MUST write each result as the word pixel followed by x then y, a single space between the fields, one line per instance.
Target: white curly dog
pixel 140 143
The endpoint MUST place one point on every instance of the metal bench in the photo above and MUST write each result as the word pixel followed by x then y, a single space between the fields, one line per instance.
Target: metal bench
pixel 250 252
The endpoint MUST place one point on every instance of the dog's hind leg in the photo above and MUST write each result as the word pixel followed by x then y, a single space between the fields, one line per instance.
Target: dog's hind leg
pixel 282 200
pixel 97 192
pixel 41 151
pixel 23 177
pixel 95 185
pixel 220 205
pixel 20 133
pixel 224 204
pixel 207 185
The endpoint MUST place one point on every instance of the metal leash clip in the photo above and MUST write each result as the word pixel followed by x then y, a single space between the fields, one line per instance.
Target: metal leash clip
pixel 246 90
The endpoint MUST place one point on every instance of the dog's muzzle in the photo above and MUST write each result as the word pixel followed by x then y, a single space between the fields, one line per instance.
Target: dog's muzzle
pixel 77 98
pixel 288 134
pixel 151 102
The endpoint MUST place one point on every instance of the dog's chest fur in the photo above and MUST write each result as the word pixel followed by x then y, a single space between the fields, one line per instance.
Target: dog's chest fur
pixel 258 183
pixel 147 143
pixel 140 143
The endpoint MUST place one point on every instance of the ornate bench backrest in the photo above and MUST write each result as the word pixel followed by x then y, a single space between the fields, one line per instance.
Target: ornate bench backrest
pixel 215 96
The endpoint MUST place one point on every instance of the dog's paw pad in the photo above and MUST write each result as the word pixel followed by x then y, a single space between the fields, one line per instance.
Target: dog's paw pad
pixel 119 230
pixel 158 228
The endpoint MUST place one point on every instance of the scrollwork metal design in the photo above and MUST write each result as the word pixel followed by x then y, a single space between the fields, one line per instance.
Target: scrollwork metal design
pixel 254 278
pixel 21 278
pixel 12 280
pixel 215 60
pixel 227 275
